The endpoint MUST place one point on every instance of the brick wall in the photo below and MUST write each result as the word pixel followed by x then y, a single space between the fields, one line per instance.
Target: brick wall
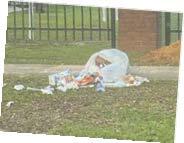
pixel 137 30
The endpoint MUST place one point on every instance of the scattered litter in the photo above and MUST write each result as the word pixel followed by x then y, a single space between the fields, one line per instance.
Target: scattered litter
pixel 33 89
pixel 100 87
pixel 134 80
pixel 19 87
pixel 4 84
pixel 60 78
pixel 46 90
pixel 141 79
pixel 9 104
pixel 107 68
pixel 87 86
pixel 72 85
pixel 62 88
pixel 88 79
pixel 66 86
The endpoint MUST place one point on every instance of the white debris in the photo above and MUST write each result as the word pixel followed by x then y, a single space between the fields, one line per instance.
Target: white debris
pixel 9 104
pixel 19 87
pixel 87 86
pixel 46 90
pixel 72 85
pixel 4 84
pixel 33 89
pixel 142 79
pixel 59 78
pixel 62 88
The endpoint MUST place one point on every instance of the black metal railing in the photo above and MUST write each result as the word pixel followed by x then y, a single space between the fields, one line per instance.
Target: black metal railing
pixel 46 22
pixel 173 27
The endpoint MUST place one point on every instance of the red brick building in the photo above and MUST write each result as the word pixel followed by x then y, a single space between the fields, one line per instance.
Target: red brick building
pixel 138 30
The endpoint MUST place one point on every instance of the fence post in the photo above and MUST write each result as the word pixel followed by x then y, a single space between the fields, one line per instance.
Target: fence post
pixel 99 23
pixel 117 18
pixel 15 24
pixel 113 28
pixel 48 23
pixel 29 21
pixel 179 34
pixel 104 11
pixel 30 14
pixel 167 28
pixel 32 10
pixel 90 23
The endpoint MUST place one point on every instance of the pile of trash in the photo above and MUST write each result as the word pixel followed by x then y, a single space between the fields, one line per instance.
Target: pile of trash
pixel 107 68
pixel 165 55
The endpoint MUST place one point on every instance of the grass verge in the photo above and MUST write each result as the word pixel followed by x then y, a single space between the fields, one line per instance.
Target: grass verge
pixel 146 112
pixel 63 53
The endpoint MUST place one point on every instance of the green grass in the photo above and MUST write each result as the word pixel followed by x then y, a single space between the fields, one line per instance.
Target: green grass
pixel 77 53
pixel 146 112
pixel 59 53
pixel 67 54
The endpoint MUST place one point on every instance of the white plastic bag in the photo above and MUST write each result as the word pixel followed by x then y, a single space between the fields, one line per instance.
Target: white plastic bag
pixel 19 87
pixel 111 72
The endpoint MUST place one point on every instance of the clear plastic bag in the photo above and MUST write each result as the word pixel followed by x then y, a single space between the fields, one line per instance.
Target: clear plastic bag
pixel 112 72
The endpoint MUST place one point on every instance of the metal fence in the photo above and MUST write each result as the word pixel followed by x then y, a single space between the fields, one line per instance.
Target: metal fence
pixel 45 22
pixel 173 29
pixel 34 21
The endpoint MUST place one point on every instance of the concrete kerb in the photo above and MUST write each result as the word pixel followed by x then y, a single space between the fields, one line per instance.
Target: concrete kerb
pixel 156 72
pixel 151 72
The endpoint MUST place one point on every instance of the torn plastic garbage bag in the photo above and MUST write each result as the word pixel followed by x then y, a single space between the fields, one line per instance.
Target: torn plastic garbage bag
pixel 116 66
